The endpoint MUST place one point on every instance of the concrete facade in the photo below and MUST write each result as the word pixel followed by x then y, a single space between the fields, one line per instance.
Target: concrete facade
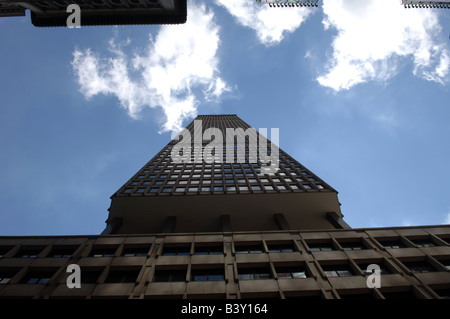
pixel 415 263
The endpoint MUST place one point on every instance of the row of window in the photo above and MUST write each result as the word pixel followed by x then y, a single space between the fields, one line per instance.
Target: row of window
pixel 244 272
pixel 195 187
pixel 239 247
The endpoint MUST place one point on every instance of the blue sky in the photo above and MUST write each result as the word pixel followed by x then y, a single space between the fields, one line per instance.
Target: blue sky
pixel 359 92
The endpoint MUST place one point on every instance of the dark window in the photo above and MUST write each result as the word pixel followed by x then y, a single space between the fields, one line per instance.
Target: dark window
pixel 443 293
pixel 135 251
pixel 4 250
pixel 445 262
pixel 5 276
pixel 423 243
pixel 208 250
pixel 169 275
pixel 37 277
pixel 122 276
pixel 392 244
pixel 356 245
pixel 28 252
pixel 207 274
pixel 62 252
pixel 419 267
pixel 90 276
pixel 254 273
pixel 249 249
pixel 291 272
pixel 321 247
pixel 176 251
pixel 281 248
pixel 337 270
pixel 103 252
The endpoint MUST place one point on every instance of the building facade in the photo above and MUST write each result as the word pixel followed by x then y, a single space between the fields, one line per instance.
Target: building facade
pixel 204 219
pixel 54 13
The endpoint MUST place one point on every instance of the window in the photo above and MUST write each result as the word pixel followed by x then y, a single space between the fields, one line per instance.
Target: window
pixel 392 244
pixel 337 271
pixel 4 250
pixel 167 189
pixel 249 249
pixel 423 243
pixel 127 191
pixel 445 263
pixel 208 250
pixel 291 272
pixel 62 252
pixel 37 277
pixel 357 245
pixel 281 248
pixel 175 275
pixel 179 190
pixel 5 276
pixel 256 188
pixel 135 251
pixel 28 252
pixel 207 274
pixel 254 273
pixel 176 251
pixel 122 276
pixel 419 267
pixel 90 276
pixel 103 252
pixel 321 247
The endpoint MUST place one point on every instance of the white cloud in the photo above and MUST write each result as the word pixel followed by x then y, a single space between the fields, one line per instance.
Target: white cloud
pixel 373 35
pixel 270 24
pixel 447 219
pixel 182 58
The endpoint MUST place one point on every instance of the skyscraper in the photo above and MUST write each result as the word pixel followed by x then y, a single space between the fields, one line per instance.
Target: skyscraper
pixel 220 186
pixel 222 212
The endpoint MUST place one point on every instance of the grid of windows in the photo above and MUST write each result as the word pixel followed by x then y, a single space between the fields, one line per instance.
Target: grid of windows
pixel 242 174
pixel 239 259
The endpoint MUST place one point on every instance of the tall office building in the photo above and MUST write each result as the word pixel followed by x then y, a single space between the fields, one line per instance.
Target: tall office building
pixel 219 184
pixel 54 13
pixel 221 212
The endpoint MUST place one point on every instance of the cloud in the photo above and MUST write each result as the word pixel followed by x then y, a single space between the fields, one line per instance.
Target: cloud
pixel 447 219
pixel 270 24
pixel 372 38
pixel 179 63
